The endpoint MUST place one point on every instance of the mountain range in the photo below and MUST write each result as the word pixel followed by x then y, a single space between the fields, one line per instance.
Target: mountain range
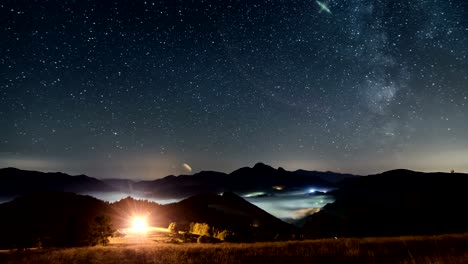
pixel 14 182
pixel 393 203
pixel 259 178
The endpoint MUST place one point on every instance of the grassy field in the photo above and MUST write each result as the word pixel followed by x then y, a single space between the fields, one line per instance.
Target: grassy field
pixel 425 249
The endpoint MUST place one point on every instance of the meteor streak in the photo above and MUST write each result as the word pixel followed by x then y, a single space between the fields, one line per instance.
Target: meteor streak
pixel 323 7
pixel 187 167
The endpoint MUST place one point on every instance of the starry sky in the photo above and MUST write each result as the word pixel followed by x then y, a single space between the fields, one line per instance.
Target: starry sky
pixel 144 89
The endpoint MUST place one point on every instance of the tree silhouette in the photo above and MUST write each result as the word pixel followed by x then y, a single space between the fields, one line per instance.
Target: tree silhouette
pixel 101 230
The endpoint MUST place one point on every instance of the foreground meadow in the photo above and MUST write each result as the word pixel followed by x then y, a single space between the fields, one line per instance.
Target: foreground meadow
pixel 420 249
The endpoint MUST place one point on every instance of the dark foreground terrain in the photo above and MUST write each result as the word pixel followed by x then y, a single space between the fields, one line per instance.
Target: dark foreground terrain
pixel 421 249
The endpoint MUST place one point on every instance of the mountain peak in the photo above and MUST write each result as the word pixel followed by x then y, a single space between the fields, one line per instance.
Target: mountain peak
pixel 261 166
pixel 399 171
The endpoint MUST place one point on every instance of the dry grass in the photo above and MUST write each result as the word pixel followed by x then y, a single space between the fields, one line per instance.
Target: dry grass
pixel 428 249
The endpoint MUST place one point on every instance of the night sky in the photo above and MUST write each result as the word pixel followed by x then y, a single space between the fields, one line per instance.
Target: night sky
pixel 138 89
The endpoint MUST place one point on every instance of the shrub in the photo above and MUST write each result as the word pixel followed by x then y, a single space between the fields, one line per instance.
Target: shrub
pixel 173 227
pixel 200 229
pixel 224 235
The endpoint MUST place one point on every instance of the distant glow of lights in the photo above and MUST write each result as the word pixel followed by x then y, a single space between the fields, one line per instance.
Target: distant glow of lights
pixel 312 190
pixel 254 194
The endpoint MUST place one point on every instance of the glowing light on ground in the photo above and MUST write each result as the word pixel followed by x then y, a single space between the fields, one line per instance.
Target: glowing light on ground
pixel 139 225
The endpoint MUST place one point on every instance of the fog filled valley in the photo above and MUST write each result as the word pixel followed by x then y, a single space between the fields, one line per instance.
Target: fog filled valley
pixel 284 194
pixel 287 206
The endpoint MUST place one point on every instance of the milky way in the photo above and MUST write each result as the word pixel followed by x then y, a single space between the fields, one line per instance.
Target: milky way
pixel 138 89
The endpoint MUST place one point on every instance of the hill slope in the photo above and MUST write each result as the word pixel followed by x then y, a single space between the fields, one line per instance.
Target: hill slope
pixel 227 211
pixel 399 202
pixel 62 219
pixel 51 218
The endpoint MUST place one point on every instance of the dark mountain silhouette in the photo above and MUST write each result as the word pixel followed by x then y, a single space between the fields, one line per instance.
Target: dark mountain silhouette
pixel 398 202
pixel 327 176
pixel 14 182
pixel 184 185
pixel 49 219
pixel 261 177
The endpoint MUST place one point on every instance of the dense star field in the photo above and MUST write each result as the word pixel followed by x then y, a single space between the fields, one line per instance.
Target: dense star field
pixel 138 89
